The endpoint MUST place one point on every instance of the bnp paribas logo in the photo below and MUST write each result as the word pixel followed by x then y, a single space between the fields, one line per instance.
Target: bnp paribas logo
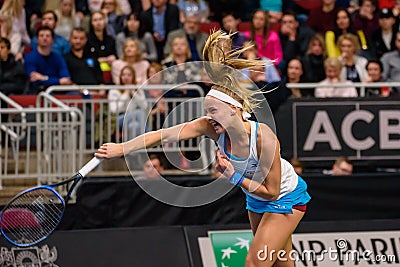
pixel 225 248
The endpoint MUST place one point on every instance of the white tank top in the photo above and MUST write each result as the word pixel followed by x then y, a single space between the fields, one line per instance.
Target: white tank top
pixel 250 166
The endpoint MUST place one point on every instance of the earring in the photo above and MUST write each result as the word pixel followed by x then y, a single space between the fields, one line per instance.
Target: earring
pixel 233 112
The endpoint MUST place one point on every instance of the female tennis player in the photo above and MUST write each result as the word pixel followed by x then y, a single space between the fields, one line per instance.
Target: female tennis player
pixel 248 155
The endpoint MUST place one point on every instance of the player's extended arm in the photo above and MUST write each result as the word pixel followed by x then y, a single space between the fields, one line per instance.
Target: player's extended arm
pixel 179 132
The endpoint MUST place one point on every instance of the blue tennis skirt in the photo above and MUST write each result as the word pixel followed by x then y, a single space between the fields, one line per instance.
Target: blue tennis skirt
pixel 284 205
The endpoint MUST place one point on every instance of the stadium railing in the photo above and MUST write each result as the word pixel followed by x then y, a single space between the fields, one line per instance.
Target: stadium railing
pixel 40 143
pixel 102 123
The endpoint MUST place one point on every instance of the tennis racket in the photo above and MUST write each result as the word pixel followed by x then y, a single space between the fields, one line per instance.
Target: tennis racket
pixel 32 215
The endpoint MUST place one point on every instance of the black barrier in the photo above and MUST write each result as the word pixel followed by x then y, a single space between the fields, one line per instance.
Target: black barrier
pixel 104 203
pixel 145 247
pixel 318 130
pixel 176 246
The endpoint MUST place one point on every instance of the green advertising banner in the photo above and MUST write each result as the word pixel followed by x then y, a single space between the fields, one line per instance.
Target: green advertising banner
pixel 230 247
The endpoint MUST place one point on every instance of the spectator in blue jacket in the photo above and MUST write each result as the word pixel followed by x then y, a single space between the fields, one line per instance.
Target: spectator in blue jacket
pixel 43 66
pixel 60 44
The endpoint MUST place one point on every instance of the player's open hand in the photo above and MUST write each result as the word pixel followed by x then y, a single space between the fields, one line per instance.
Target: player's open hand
pixel 109 150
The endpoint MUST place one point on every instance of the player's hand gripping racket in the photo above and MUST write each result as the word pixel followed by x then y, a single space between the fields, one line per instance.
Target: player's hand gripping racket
pixel 32 215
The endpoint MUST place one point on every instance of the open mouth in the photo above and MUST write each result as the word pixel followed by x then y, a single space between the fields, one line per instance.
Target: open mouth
pixel 214 123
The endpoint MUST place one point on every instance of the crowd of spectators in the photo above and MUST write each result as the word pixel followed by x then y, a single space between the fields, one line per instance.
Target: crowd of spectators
pixel 96 42
pixel 84 42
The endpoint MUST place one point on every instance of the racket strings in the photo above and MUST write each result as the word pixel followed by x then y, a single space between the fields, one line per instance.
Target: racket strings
pixel 32 216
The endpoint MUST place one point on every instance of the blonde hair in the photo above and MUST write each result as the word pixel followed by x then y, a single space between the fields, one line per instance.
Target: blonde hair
pixel 224 62
pixel 8 27
pixel 118 10
pixel 316 38
pixel 12 8
pixel 333 62
pixel 350 37
pixel 188 54
pixel 59 11
pixel 139 54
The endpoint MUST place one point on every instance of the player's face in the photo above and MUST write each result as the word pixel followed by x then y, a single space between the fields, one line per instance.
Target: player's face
pixel 218 112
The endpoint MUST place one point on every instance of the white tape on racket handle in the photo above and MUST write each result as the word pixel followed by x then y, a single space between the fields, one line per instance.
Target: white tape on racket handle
pixel 93 163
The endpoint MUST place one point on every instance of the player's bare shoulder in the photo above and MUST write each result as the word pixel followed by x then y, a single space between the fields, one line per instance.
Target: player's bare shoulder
pixel 266 135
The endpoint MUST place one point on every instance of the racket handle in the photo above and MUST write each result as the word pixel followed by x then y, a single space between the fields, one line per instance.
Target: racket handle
pixel 93 163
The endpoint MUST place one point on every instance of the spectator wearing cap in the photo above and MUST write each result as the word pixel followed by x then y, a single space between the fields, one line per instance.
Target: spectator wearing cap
pixel 384 38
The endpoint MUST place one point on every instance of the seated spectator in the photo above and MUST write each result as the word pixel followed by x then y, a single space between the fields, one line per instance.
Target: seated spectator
pixel 321 19
pixel 384 38
pixel 366 19
pixel 132 56
pixel 343 25
pixel 268 74
pixel 134 30
pixel 294 37
pixel 152 168
pixel 342 166
pixel 13 79
pixel 294 75
pixel 230 24
pixel 67 18
pixel 132 113
pixel 375 69
pixel 176 72
pixel 190 7
pixel 160 108
pixel 195 38
pixel 333 67
pixel 313 61
pixel 15 11
pixel 100 45
pixel 45 67
pixel 13 37
pixel 115 16
pixel 274 8
pixel 84 70
pixel 353 65
pixel 160 20
pixel 267 40
pixel 391 63
pixel 60 44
